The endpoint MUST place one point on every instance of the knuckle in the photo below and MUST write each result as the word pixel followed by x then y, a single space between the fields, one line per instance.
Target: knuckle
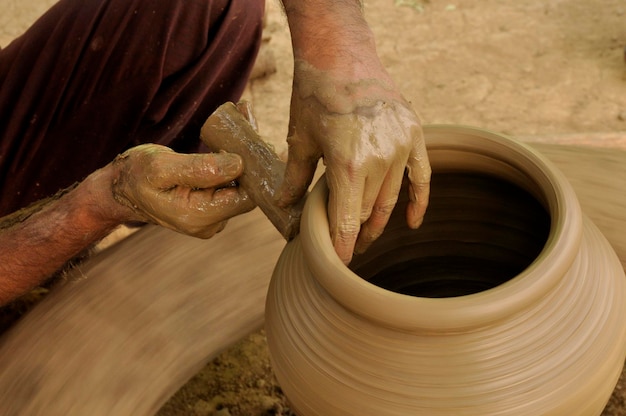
pixel 347 231
pixel 385 208
pixel 370 236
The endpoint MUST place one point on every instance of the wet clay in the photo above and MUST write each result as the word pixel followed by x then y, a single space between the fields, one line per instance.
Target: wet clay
pixel 341 96
pixel 186 193
pixel 368 136
pixel 507 300
pixel 137 320
pixel 232 128
pixel 598 175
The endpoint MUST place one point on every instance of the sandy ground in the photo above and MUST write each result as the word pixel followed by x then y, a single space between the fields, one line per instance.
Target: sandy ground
pixel 533 68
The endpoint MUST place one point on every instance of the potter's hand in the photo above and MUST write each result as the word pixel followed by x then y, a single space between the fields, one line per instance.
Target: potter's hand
pixel 367 134
pixel 188 193
pixel 346 108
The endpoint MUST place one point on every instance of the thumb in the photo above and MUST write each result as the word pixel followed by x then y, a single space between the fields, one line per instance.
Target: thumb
pixel 301 165
pixel 200 170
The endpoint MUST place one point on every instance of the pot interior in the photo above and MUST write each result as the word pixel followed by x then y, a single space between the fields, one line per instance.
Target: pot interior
pixel 479 232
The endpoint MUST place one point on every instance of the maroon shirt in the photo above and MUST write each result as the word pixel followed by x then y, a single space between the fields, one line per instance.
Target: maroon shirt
pixel 92 78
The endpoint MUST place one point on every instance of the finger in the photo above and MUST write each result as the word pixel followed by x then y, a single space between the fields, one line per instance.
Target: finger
pixel 226 203
pixel 372 188
pixel 344 210
pixel 221 204
pixel 221 226
pixel 211 230
pixel 382 209
pixel 195 212
pixel 419 174
pixel 301 165
pixel 196 171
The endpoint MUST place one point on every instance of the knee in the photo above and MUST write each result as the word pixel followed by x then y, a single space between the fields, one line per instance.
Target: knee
pixel 193 28
pixel 203 16
pixel 243 19
pixel 179 33
pixel 178 20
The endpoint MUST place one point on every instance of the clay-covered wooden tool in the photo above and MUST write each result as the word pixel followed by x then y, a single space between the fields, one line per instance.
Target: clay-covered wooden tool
pixel 232 128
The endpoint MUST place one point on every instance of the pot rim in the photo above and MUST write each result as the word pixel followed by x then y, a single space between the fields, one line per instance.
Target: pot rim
pixel 456 313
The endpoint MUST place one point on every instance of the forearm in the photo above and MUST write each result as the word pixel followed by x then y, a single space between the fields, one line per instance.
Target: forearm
pixel 40 240
pixel 336 61
pixel 325 32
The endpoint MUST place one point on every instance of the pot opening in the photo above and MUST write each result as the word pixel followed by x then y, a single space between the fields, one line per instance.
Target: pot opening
pixel 479 232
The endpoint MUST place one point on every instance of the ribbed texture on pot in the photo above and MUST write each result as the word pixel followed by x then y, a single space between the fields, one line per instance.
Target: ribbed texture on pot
pixel 551 348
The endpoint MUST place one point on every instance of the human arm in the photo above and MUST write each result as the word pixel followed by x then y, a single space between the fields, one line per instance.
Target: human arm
pixel 346 108
pixel 149 183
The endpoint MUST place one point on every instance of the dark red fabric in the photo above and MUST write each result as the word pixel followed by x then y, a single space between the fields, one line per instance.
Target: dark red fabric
pixel 92 78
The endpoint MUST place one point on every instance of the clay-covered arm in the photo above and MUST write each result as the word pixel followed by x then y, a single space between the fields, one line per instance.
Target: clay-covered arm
pixel 39 240
pixel 148 183
pixel 346 108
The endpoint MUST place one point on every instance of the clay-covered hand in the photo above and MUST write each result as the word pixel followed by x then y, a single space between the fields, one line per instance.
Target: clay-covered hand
pixel 189 193
pixel 368 135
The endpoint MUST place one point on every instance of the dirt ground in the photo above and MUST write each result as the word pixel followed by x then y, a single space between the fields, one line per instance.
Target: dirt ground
pixel 530 68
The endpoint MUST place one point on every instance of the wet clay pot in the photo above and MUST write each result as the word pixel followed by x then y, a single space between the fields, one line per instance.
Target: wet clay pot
pixel 506 301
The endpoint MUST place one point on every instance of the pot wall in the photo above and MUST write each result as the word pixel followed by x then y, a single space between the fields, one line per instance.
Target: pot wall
pixel 547 339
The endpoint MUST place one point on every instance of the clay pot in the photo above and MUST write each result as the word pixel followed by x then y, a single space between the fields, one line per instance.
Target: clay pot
pixel 506 301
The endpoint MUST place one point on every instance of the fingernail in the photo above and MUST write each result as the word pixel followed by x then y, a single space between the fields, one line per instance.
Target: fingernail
pixel 221 227
pixel 414 217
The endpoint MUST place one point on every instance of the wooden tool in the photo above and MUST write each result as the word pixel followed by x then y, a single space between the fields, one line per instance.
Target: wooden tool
pixel 232 128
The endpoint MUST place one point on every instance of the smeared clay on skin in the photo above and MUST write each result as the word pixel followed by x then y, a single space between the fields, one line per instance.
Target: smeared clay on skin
pixel 342 96
pixel 368 134
pixel 186 193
